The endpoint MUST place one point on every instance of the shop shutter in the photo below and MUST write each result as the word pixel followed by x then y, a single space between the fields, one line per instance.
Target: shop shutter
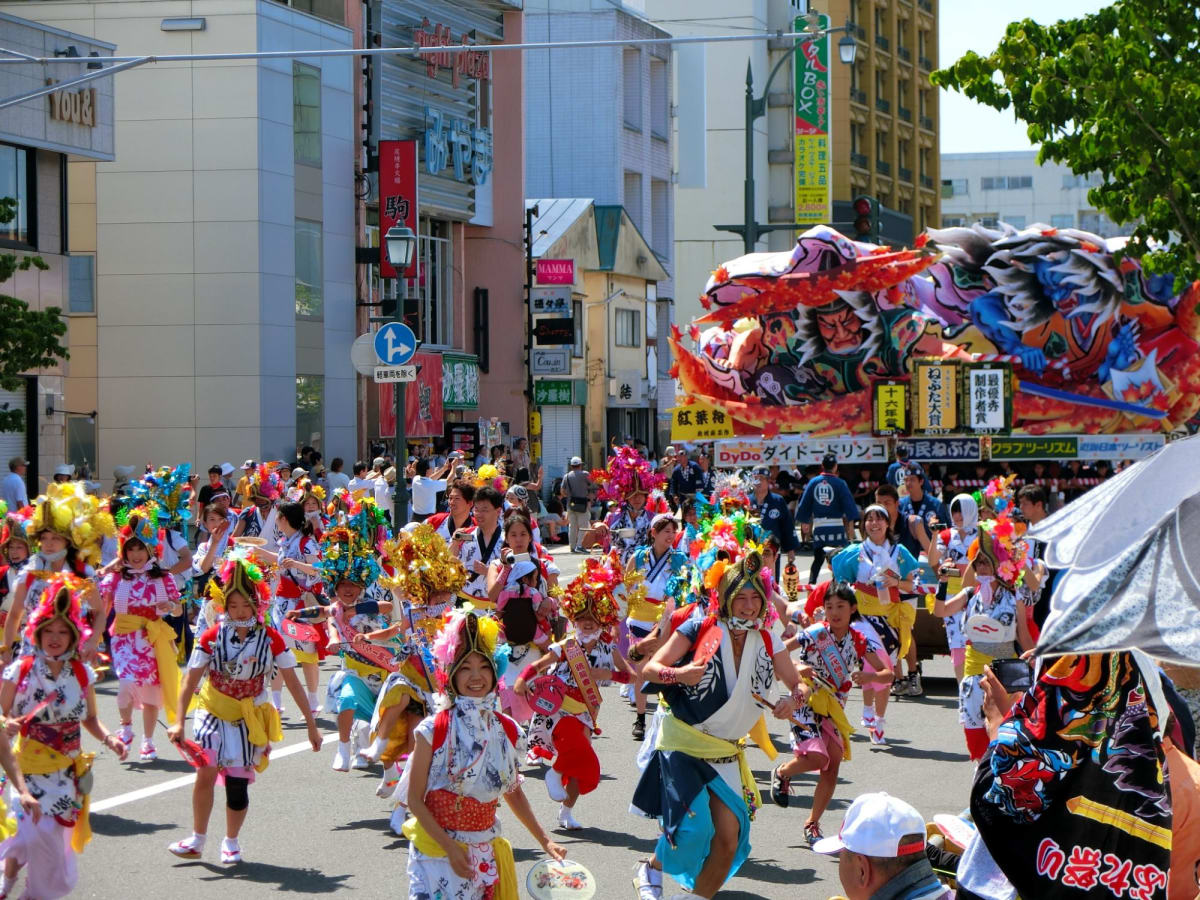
pixel 561 439
pixel 12 443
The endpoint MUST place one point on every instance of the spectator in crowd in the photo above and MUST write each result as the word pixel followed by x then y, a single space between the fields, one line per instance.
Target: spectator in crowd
pixel 787 484
pixel 576 494
pixel 774 514
pixel 553 518
pixel 895 473
pixel 13 490
pixel 827 513
pixel 919 502
pixel 1032 501
pixel 881 852
pixel 336 478
pixel 708 477
pixel 362 480
pixel 520 454
pixel 668 463
pixel 686 480
pixel 205 494
pixel 426 487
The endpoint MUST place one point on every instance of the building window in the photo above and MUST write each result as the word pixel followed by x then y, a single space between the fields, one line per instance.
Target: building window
pixel 952 221
pixel 1017 222
pixel 81 442
pixel 17 184
pixel 660 214
pixel 633 198
pixel 631 85
pixel 333 10
pixel 629 328
pixel 577 317
pixel 310 409
pixel 1095 179
pixel 306 114
pixel 310 282
pixel 1062 220
pixel 988 220
pixel 660 103
pixel 81 295
pixel 1006 182
pixel 881 144
pixel 428 309
pixel 881 90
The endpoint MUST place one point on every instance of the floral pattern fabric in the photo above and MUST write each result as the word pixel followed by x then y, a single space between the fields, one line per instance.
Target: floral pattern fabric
pixel 132 654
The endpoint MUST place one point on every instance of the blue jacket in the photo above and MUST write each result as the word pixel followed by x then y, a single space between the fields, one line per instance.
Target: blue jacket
pixel 777 519
pixel 826 497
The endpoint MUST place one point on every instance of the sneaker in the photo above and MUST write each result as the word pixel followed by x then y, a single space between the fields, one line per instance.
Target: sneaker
pixel 812 832
pixel 125 734
pixel 639 728
pixel 877 737
pixel 914 685
pixel 867 722
pixel 566 820
pixel 624 692
pixel 781 788
pixel 149 752
pixel 188 848
pixel 231 852
pixel 387 784
pixel 341 759
pixel 554 786
pixel 900 687
pixel 647 881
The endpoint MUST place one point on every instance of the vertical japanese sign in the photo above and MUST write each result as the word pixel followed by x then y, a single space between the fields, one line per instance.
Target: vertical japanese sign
pixel 397 197
pixel 987 398
pixel 813 174
pixel 423 406
pixel 935 397
pixel 889 406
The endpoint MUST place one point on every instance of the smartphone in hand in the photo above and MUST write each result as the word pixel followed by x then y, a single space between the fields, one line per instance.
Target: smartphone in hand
pixel 1015 674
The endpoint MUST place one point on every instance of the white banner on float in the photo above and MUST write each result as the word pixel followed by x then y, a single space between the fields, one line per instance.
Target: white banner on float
pixel 1115 447
pixel 798 451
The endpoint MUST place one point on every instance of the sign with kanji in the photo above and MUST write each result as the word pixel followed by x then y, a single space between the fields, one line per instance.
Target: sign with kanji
pixel 798 451
pixel 699 422
pixel 935 396
pixel 552 392
pixel 950 449
pixel 889 406
pixel 812 166
pixel 460 382
pixel 397 197
pixel 555 332
pixel 1049 447
pixel 1119 446
pixel 551 300
pixel 987 398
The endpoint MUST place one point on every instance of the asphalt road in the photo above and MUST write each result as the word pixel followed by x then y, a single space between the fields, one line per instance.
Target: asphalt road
pixel 312 831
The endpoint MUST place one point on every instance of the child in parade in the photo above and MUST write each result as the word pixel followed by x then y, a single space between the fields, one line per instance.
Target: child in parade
pixel 235 721
pixel 880 569
pixel 142 645
pixel 525 615
pixel 832 656
pixel 46 696
pixel 562 737
pixel 14 553
pixel 950 563
pixel 627 481
pixel 466 758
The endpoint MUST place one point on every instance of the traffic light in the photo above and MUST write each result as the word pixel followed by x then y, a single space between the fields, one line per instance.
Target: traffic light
pixel 866 219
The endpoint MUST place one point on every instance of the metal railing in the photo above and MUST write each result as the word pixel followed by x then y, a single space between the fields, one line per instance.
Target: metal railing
pixel 905 174
pixel 925 63
pixel 927 123
pixel 860 160
pixel 858 96
pixel 904 112
pixel 883 167
pixel 927 182
pixel 926 5
pixel 904 53
pixel 882 42
pixel 883 105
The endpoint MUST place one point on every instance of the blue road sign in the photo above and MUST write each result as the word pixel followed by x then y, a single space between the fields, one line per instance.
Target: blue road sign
pixel 395 344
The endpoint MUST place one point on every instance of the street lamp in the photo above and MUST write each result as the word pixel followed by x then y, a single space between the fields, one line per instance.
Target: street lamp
pixel 756 108
pixel 401 244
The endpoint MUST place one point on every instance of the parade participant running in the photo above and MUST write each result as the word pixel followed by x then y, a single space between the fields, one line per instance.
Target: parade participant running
pixel 880 568
pixel 46 695
pixel 698 783
pixel 460 494
pixel 466 758
pixel 835 651
pixel 952 546
pixel 627 482
pixel 235 720
pixel 480 546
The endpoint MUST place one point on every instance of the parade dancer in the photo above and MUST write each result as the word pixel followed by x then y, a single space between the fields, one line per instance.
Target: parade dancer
pixel 880 569
pixel 14 553
pixel 627 482
pixel 263 488
pixel 562 738
pixel 950 562
pixel 832 656
pixel 235 720
pixel 466 759
pixel 460 494
pixel 46 696
pixel 142 645
pixel 478 547
pixel 714 669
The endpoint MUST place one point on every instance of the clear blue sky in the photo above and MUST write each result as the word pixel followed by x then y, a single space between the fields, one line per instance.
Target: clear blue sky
pixel 967 126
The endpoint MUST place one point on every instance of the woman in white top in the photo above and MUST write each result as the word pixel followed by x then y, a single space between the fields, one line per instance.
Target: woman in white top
pixel 425 488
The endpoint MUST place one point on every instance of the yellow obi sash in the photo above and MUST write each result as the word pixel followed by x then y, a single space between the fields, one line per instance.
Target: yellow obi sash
pixel 36 758
pixel 262 721
pixel 678 736
pixel 506 867
pixel 900 615
pixel 480 603
pixel 975 661
pixel 762 738
pixel 162 638
pixel 643 609
pixel 362 669
pixel 824 702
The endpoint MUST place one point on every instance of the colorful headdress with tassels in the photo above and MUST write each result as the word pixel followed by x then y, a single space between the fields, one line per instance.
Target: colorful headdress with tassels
pixel 997 495
pixel 62 599
pixel 169 489
pixel 141 523
pixel 726 579
pixel 593 592
pixel 304 488
pixel 16 528
pixel 628 472
pixel 68 510
pixel 239 574
pixel 730 495
pixel 488 476
pixel 423 564
pixel 348 548
pixel 999 543
pixel 462 634
pixel 264 481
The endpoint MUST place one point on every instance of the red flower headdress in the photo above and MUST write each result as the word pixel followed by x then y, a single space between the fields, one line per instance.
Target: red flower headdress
pixel 62 599
pixel 628 472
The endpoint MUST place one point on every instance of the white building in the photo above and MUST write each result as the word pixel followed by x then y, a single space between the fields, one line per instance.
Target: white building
pixel 1011 187
pixel 225 235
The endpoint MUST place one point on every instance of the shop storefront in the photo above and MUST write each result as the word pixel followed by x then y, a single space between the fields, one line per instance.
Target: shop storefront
pixel 561 402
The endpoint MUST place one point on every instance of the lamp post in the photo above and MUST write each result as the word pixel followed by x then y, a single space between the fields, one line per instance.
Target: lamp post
pixel 401 244
pixel 756 108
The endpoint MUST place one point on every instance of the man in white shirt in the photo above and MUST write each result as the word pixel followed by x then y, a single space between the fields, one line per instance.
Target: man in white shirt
pixel 383 490
pixel 362 480
pixel 12 490
pixel 426 487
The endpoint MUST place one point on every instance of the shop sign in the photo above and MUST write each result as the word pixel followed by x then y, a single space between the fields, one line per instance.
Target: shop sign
pixel 551 300
pixel 460 382
pixel 1050 447
pixel 784 451
pixel 457 142
pixel 935 397
pixel 555 392
pixel 953 449
pixel 987 398
pixel 889 406
pixel 556 271
pixel 423 404
pixel 75 107
pixel 699 422
pixel 550 362
pixel 812 169
pixel 554 331
pixel 1119 446
pixel 626 389
pixel 468 63
pixel 397 197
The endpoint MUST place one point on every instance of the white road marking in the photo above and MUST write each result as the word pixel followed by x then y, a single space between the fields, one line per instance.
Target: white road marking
pixel 185 780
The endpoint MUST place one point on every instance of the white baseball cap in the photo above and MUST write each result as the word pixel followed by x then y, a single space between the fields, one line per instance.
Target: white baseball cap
pixel 875 825
pixel 576 461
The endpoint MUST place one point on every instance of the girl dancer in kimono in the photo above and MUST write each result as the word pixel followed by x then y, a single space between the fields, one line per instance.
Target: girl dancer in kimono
pixel 142 645
pixel 627 482
pixel 46 696
pixel 465 760
pixel 235 720
pixel 880 568
pixel 14 553
pixel 833 653
pixel 950 564
pixel 698 783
